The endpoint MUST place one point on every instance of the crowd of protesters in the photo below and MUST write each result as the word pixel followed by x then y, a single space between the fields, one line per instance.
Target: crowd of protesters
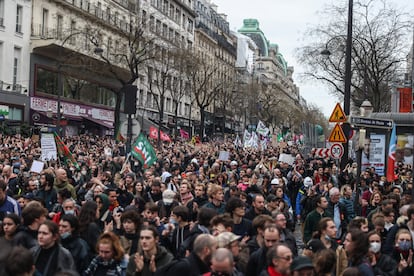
pixel 193 214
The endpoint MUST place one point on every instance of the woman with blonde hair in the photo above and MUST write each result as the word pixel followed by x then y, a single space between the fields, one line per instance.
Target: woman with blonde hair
pixel 109 258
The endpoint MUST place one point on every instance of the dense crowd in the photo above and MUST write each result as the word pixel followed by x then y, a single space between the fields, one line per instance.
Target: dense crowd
pixel 193 214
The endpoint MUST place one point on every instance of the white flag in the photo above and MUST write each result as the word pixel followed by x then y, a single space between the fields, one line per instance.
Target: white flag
pixel 262 129
pixel 237 142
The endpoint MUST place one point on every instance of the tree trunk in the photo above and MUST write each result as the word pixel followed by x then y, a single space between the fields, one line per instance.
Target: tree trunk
pixel 175 120
pixel 161 117
pixel 202 122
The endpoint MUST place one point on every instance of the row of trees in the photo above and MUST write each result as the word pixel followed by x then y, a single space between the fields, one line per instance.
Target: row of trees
pixel 381 42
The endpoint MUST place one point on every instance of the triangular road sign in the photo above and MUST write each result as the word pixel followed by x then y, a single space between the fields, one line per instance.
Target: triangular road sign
pixel 337 135
pixel 338 115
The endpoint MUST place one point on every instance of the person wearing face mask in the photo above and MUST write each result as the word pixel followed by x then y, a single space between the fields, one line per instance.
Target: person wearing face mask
pixel 177 230
pixel 69 208
pixel 403 252
pixel 382 264
pixel 69 236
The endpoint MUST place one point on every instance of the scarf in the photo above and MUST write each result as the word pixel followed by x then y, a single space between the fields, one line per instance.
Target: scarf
pixel 186 198
pixel 273 272
pixel 113 267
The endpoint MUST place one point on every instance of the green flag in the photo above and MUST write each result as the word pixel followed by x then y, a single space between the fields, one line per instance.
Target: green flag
pixel 143 151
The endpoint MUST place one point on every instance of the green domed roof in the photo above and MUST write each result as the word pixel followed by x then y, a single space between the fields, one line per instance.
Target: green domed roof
pixel 280 58
pixel 251 29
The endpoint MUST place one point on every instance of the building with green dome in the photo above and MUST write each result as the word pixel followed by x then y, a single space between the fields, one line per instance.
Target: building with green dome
pixel 279 98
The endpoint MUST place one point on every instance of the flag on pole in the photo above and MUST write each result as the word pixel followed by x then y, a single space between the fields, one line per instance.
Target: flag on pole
pixel 64 152
pixel 391 155
pixel 262 129
pixel 119 137
pixel 143 151
pixel 184 134
pixel 246 138
pixel 153 134
pixel 237 142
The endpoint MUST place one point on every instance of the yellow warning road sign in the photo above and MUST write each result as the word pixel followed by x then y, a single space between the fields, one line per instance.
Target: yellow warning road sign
pixel 337 135
pixel 338 115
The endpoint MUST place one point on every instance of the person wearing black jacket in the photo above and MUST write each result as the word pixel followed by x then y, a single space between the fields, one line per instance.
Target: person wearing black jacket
pixel 33 216
pixel 68 230
pixel 381 263
pixel 257 260
pixel 198 262
pixel 46 191
pixel 258 207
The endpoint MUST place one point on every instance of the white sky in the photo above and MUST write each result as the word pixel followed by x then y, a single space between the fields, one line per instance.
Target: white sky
pixel 283 22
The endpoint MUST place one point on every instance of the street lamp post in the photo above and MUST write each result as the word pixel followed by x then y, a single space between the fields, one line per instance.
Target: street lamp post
pixel 347 82
pixel 347 91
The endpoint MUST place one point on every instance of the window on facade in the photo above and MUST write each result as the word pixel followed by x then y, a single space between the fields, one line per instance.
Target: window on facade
pixel 72 30
pixel 149 100
pixel 16 67
pixel 15 113
pixel 168 105
pixel 152 23
pixel 141 97
pixel 171 12
pixel 190 25
pixel 171 34
pixel 184 21
pixel 144 18
pixel 73 88
pixel 164 30
pixel 177 15
pixel 45 18
pixel 98 11
pixel 2 13
pixel 158 27
pixel 19 19
pixel 108 13
pixel 59 26
pixel 186 109
pixel 109 47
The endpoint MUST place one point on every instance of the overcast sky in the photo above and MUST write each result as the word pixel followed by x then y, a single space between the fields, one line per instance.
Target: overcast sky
pixel 283 22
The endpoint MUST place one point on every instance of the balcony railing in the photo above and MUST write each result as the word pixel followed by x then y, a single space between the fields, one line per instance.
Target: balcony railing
pixel 10 87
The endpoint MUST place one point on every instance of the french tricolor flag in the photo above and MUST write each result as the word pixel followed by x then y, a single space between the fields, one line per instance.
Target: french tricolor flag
pixel 391 155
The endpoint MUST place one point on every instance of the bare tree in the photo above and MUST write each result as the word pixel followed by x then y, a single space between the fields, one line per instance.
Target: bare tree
pixel 160 75
pixel 125 58
pixel 180 86
pixel 379 48
pixel 204 83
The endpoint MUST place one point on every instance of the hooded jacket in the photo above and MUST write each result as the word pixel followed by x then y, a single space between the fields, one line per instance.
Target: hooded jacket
pixel 162 258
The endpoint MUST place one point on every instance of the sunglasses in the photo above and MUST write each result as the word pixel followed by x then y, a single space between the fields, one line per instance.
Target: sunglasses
pixel 286 258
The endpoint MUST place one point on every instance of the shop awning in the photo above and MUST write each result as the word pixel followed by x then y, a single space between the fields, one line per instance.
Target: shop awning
pixel 106 124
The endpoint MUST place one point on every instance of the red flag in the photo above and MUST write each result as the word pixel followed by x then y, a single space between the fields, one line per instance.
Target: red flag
pixel 391 156
pixel 64 152
pixel 184 134
pixel 154 135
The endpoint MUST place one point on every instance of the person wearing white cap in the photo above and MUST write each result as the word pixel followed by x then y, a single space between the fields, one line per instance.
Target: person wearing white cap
pixel 303 192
